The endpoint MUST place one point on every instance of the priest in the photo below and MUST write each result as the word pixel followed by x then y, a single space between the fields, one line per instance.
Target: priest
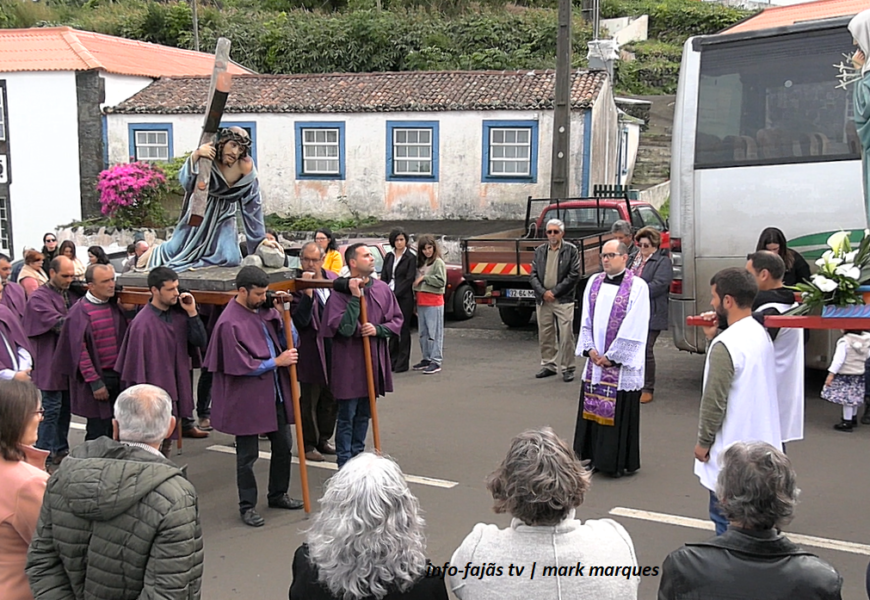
pixel 251 392
pixel 613 338
pixel 88 350
pixel 161 342
pixel 13 294
pixel 16 356
pixel 340 322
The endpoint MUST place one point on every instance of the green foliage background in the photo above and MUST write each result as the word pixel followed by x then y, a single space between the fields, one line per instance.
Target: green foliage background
pixel 324 36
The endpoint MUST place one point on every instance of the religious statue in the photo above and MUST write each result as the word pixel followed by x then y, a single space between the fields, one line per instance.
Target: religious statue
pixel 233 184
pixel 859 27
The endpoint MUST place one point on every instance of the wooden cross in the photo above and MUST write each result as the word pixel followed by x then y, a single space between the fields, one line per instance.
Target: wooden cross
pixel 219 90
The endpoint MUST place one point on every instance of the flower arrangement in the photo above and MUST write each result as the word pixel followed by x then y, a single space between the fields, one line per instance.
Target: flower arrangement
pixel 130 194
pixel 841 270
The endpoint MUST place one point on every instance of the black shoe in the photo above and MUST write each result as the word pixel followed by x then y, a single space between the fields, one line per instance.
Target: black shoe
pixel 286 502
pixel 326 449
pixel 568 376
pixel 865 419
pixel 421 366
pixel 855 421
pixel 544 373
pixel 844 426
pixel 252 518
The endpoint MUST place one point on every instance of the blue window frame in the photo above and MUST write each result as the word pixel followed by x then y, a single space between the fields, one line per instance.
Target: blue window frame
pixel 320 150
pixel 412 151
pixel 150 141
pixel 251 128
pixel 510 152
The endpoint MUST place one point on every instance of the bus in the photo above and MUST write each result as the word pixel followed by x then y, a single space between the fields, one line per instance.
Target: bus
pixel 763 137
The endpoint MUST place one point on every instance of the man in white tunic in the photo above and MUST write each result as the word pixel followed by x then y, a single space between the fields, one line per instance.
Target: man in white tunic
pixel 613 338
pixel 739 402
pixel 788 344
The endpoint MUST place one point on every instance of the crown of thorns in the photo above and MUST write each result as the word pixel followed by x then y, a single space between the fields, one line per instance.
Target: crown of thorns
pixel 228 135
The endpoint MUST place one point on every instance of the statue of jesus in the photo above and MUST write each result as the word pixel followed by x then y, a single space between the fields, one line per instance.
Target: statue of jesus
pixel 233 185
pixel 859 27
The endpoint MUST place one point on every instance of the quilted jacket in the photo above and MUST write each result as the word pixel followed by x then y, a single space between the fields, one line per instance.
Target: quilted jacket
pixel 117 522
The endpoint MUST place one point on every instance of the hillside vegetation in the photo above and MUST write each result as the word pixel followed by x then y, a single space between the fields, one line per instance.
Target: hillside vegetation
pixel 323 36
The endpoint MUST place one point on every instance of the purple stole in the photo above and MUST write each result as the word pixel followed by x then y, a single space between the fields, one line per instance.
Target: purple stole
pixel 599 400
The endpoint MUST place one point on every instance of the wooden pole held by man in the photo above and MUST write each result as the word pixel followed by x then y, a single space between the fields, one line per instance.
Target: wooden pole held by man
pixel 370 376
pixel 297 411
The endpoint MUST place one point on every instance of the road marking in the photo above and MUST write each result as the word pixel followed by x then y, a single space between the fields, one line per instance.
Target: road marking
pixel 803 540
pixel 331 466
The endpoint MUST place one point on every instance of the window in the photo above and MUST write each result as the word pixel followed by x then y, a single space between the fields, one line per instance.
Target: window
pixel 248 126
pixel 412 150
pixel 782 109
pixel 5 226
pixel 2 114
pixel 649 218
pixel 510 151
pixel 150 141
pixel 320 150
pixel 584 218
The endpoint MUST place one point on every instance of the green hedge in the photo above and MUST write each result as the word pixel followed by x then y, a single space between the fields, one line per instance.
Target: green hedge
pixel 674 21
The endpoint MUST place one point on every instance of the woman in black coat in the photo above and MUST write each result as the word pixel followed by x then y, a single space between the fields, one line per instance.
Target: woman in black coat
pixel 654 266
pixel 796 268
pixel 398 272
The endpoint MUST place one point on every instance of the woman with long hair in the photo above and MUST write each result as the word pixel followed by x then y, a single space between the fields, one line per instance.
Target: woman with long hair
pixel 98 256
pixel 68 249
pixel 367 541
pixel 398 272
pixel 22 471
pixel 49 250
pixel 430 285
pixel 32 274
pixel 796 268
pixel 332 260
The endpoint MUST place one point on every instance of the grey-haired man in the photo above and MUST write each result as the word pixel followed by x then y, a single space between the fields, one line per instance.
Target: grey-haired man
pixel 555 272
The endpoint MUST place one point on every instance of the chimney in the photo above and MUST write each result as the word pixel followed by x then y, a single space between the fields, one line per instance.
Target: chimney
pixel 602 54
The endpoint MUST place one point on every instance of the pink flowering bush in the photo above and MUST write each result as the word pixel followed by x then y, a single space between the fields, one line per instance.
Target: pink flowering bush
pixel 130 194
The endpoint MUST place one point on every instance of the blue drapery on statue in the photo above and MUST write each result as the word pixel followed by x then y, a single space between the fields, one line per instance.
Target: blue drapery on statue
pixel 215 242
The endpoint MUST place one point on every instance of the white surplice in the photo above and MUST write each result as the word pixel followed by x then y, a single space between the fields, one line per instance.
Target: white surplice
pixel 629 347
pixel 788 350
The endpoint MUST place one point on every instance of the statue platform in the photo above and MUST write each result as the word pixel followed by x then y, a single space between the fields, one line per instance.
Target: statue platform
pixel 210 279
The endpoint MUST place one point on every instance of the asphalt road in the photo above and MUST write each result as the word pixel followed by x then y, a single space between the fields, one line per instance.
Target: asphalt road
pixel 456 426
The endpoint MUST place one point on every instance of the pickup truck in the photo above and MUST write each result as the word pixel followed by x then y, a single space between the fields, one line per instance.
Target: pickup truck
pixel 503 261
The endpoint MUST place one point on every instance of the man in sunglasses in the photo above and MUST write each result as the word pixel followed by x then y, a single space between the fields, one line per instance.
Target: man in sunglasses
pixel 555 272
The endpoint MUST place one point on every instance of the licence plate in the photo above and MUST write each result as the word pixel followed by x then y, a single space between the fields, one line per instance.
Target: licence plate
pixel 520 293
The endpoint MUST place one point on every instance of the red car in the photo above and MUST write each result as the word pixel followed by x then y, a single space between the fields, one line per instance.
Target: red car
pixel 458 298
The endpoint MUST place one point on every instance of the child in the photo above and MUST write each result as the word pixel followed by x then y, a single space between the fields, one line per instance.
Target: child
pixel 845 382
pixel 430 286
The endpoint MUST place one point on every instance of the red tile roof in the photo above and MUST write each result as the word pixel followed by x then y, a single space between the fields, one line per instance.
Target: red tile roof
pixel 67 49
pixel 414 91
pixel 780 16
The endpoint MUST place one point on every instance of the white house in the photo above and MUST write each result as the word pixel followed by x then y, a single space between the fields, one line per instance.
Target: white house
pixel 53 84
pixel 407 145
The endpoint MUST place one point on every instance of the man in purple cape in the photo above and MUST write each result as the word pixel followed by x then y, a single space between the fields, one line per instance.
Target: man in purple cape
pixel 316 402
pixel 16 357
pixel 251 391
pixel 88 350
pixel 160 343
pixel 13 294
pixel 44 316
pixel 341 323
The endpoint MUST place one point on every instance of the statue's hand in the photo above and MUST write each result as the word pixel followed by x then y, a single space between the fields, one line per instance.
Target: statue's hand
pixel 204 151
pixel 858 59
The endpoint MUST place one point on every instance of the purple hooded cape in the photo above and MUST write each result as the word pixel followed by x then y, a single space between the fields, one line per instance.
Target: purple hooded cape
pixel 11 329
pixel 312 366
pixel 14 298
pixel 77 330
pixel 44 309
pixel 242 404
pixel 349 374
pixel 157 353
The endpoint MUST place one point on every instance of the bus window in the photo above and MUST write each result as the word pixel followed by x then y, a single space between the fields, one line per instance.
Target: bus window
pixel 774 101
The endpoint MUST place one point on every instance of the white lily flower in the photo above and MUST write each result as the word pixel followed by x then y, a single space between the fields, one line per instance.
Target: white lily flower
pixel 843 269
pixel 839 242
pixel 866 232
pixel 824 284
pixel 850 257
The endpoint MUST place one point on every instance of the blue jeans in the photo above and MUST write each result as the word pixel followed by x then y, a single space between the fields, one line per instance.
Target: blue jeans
pixel 716 515
pixel 54 428
pixel 430 322
pixel 351 428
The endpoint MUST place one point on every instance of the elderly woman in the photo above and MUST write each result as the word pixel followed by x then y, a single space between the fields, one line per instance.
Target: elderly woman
pixel 32 275
pixel 757 493
pixel 68 249
pixel 367 540
pixel 22 471
pixel 541 483
pixel 653 265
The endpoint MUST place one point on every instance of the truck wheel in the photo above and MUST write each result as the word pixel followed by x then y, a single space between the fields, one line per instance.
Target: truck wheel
pixel 515 317
pixel 464 305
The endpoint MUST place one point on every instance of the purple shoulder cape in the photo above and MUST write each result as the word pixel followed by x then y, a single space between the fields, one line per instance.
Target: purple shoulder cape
pixel 11 329
pixel 44 309
pixel 14 298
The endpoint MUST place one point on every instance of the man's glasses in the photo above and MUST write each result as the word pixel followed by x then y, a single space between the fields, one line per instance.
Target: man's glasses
pixel 611 255
pixel 40 412
pixel 305 259
pixel 554 231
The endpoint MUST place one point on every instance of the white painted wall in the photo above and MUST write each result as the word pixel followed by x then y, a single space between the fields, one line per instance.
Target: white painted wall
pixel 459 193
pixel 627 29
pixel 44 154
pixel 121 87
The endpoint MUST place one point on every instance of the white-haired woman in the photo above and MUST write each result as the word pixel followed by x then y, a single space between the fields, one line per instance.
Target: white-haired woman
pixel 367 540
pixel 541 483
